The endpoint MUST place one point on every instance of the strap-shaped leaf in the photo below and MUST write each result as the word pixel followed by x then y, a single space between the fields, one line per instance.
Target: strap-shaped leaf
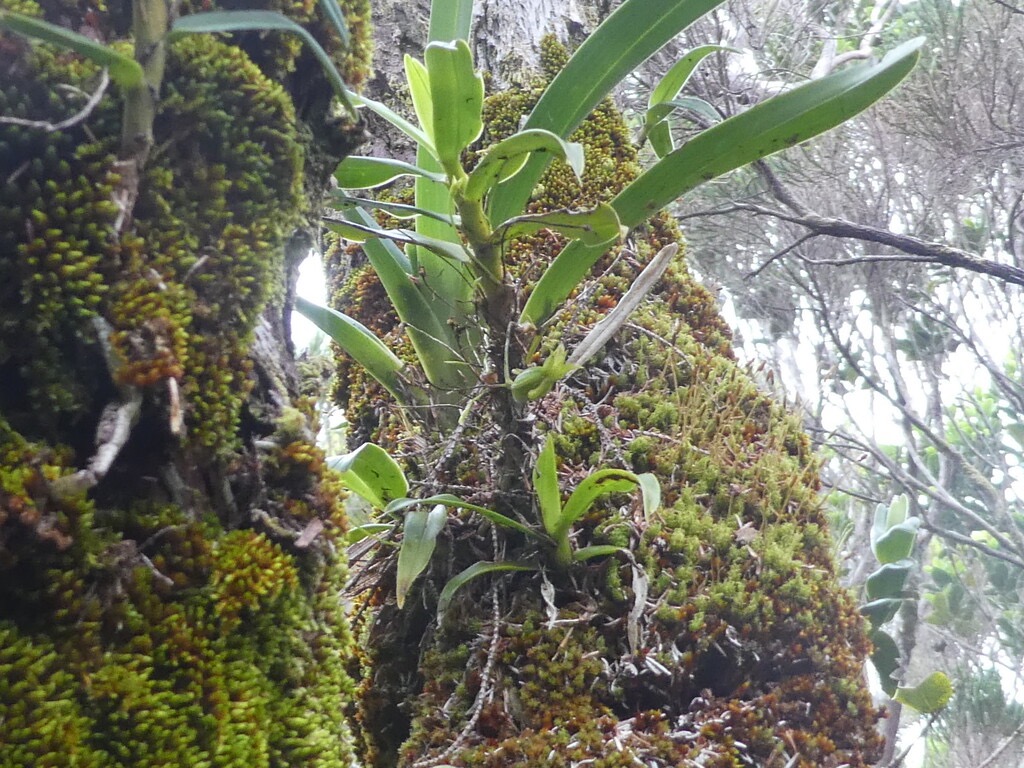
pixel 632 33
pixel 360 343
pixel 457 582
pixel 335 15
pixel 597 227
pixel 359 172
pixel 508 156
pixel 596 550
pixel 398 210
pixel 419 539
pixel 773 125
pixel 454 501
pixel 457 93
pixel 545 485
pixel 406 127
pixel 450 19
pixel 360 233
pixel 258 21
pixel 593 487
pixel 124 70
pixel 659 132
pixel 370 471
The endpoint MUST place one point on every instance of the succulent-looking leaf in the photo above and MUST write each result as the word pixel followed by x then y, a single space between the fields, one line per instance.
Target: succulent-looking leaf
pixel 507 157
pixel 457 93
pixel 545 485
pixel 535 382
pixel 360 343
pixel 598 227
pixel 258 21
pixel 419 538
pixel 888 516
pixel 782 121
pixel 881 611
pixel 889 580
pixel 124 70
pixel 370 471
pixel 460 580
pixel 898 542
pixel 630 34
pixel 929 696
pixel 886 658
pixel 358 172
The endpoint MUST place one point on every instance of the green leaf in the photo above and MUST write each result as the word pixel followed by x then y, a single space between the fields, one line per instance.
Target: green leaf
pixel 888 516
pixel 507 157
pixel 360 343
pixel 598 227
pixel 650 490
pixel 780 122
pixel 931 695
pixel 454 501
pixel 656 128
pixel 897 543
pixel 881 611
pixel 545 485
pixel 594 486
pixel 419 88
pixel 431 336
pixel 775 124
pixel 419 538
pixel 364 531
pixel 124 70
pixel 460 580
pixel 634 31
pixel 360 233
pixel 457 93
pixel 406 127
pixel 886 658
pixel 358 172
pixel 597 550
pixel 889 580
pixel 660 133
pixel 398 210
pixel 450 19
pixel 259 21
pixel 335 15
pixel 370 471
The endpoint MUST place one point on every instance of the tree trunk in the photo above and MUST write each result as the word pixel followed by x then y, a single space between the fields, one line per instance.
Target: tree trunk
pixel 169 574
pixel 717 636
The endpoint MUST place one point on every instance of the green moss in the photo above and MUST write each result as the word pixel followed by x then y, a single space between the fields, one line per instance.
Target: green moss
pixel 745 650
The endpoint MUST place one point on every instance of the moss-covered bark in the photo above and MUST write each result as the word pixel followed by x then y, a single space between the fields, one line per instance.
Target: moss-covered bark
pixel 724 640
pixel 166 615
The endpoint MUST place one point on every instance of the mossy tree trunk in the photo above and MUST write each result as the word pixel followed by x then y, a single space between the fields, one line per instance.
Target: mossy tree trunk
pixel 721 639
pixel 169 574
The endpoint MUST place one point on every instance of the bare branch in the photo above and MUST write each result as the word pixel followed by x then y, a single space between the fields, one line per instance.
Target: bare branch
pixel 75 119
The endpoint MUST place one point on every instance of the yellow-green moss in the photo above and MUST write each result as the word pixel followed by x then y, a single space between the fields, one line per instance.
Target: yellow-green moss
pixel 138 625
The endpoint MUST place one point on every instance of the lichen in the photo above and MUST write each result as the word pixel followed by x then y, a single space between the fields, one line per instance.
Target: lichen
pixel 744 650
